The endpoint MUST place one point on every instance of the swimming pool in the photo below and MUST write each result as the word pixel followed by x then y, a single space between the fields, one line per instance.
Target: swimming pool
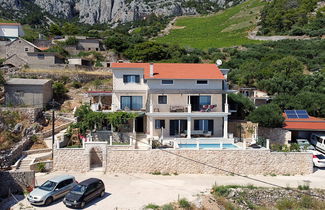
pixel 207 146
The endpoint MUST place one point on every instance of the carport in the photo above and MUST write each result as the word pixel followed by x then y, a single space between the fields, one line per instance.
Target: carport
pixel 302 126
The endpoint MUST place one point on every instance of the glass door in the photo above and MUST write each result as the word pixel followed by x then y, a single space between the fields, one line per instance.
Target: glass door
pixel 177 127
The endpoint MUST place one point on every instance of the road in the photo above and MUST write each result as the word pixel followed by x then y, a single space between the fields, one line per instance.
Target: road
pixel 134 191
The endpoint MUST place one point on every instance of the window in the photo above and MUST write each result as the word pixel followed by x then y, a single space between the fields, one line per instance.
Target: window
pixel 26 49
pixel 167 82
pixel 159 124
pixel 40 56
pixel 68 181
pixel 205 100
pixel 131 78
pixel 204 125
pixel 131 102
pixel 202 82
pixel 162 99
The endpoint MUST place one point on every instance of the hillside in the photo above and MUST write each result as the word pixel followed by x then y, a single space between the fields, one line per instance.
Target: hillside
pixel 224 29
pixel 110 11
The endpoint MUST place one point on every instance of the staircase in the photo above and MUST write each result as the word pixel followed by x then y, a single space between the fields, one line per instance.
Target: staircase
pixel 142 142
pixel 25 163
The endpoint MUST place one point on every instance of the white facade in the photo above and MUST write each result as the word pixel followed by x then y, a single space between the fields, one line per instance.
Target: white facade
pixel 177 109
pixel 11 31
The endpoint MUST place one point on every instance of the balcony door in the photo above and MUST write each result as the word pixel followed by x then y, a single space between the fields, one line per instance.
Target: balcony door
pixel 131 102
pixel 198 101
pixel 176 127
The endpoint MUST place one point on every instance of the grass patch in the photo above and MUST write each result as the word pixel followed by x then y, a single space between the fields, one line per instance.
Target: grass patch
pixel 183 203
pixel 151 206
pixel 223 190
pixel 156 173
pixel 303 187
pixel 167 207
pixel 223 29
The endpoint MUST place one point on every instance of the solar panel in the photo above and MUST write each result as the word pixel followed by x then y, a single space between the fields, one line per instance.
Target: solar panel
pixel 301 112
pixel 290 112
pixel 296 114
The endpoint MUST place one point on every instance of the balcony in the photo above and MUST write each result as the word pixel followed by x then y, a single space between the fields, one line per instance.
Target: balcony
pixel 184 108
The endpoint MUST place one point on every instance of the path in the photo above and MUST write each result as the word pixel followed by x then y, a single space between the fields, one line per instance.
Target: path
pixel 252 35
pixel 133 191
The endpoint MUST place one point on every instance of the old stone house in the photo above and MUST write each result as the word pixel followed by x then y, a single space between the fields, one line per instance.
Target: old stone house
pixel 88 45
pixel 28 92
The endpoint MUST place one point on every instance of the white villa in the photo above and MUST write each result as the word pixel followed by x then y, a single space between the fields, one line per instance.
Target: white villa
pixel 11 31
pixel 174 100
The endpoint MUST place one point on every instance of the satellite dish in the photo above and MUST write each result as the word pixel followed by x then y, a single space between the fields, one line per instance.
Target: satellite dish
pixel 219 62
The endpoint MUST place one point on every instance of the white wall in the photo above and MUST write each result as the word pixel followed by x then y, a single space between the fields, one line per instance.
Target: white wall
pixel 9 31
pixel 118 83
pixel 185 84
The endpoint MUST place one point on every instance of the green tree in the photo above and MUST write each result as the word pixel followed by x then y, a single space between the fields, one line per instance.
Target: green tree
pixel 55 30
pixel 288 66
pixel 148 51
pixel 241 103
pixel 269 115
pixel 69 29
pixel 59 91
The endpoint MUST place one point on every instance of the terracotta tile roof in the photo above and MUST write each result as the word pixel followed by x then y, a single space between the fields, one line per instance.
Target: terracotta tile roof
pixel 311 123
pixel 176 70
pixel 10 24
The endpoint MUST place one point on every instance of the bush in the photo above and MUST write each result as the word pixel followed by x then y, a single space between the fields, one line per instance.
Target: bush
pixel 286 203
pixel 40 167
pixel 183 203
pixel 151 206
pixel 59 91
pixel 303 187
pixel 76 84
pixel 167 207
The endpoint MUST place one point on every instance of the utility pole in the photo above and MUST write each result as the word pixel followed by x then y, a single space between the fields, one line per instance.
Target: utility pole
pixel 53 127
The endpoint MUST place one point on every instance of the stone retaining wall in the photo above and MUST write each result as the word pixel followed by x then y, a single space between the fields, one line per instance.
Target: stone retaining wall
pixel 276 135
pixel 186 161
pixel 30 113
pixel 15 182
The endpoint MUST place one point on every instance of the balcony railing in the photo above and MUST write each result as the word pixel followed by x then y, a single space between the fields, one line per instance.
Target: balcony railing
pixel 185 108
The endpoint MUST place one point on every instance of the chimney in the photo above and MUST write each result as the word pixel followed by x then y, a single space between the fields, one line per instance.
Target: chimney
pixel 151 70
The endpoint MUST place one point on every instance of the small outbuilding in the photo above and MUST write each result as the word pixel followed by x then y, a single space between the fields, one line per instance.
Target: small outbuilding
pixel 28 92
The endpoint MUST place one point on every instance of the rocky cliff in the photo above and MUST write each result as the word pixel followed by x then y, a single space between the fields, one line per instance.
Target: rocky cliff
pixel 112 11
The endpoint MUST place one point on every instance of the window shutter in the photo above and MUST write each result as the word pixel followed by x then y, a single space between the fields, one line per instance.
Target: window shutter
pixel 124 78
pixel 210 126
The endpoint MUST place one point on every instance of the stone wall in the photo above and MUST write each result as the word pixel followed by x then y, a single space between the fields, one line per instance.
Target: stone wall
pixel 276 135
pixel 15 182
pixel 30 113
pixel 186 161
pixel 10 156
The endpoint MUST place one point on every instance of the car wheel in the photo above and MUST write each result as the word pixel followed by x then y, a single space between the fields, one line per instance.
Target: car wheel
pixel 102 193
pixel 48 201
pixel 82 205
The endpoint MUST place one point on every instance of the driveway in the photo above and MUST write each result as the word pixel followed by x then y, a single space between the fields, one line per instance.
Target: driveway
pixel 134 191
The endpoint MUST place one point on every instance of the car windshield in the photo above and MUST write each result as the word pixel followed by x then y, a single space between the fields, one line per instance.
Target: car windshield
pixel 79 189
pixel 48 186
pixel 321 157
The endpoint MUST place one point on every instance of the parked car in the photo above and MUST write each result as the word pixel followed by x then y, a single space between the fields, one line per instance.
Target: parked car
pixel 51 190
pixel 318 140
pixel 84 192
pixel 318 159
pixel 304 144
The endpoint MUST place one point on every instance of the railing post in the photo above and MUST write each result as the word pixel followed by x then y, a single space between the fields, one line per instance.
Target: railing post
pixel 111 140
pixel 130 138
pixel 221 145
pixel 197 144
pixel 189 108
pixel 267 143
pixel 244 144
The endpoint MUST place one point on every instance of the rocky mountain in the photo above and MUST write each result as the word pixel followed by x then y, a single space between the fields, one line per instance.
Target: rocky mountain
pixel 113 11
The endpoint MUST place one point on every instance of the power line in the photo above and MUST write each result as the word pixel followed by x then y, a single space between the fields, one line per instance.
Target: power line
pixel 237 174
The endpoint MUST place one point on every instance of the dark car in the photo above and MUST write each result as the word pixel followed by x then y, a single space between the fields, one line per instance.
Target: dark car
pixel 84 192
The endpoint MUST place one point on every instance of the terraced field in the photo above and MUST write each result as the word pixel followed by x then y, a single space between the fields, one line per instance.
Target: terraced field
pixel 223 29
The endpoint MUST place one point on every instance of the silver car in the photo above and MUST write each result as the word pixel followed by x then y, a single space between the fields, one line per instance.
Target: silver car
pixel 51 190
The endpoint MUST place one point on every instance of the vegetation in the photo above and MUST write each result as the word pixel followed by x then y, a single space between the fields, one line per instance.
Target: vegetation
pixel 7 137
pixel 88 120
pixel 224 29
pixel 285 148
pixel 40 167
pixel 152 206
pixel 241 103
pixel 183 203
pixel 59 91
pixel 269 115
pixel 292 17
pixel 290 71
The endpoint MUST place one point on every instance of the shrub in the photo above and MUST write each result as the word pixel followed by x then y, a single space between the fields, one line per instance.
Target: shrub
pixel 59 91
pixel 151 206
pixel 269 115
pixel 183 203
pixel 286 203
pixel 303 187
pixel 76 84
pixel 40 167
pixel 167 207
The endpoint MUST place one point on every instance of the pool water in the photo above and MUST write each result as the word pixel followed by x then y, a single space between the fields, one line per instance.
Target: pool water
pixel 207 146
